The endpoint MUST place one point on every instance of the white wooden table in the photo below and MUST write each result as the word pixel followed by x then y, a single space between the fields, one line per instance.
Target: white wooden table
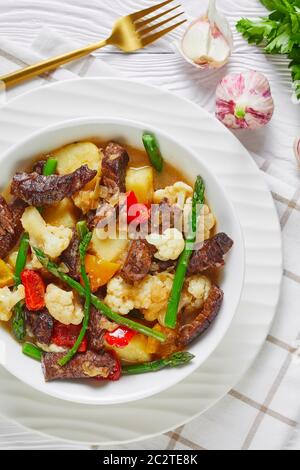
pixel 255 412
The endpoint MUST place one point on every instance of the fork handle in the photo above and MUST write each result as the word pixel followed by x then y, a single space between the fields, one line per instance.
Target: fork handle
pixel 48 65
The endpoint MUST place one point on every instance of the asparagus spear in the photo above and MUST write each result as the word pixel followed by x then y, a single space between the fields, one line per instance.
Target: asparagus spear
pixel 175 360
pixel 21 258
pixel 32 351
pixel 86 237
pixel 18 322
pixel 153 151
pixel 50 167
pixel 82 229
pixel 183 263
pixel 54 269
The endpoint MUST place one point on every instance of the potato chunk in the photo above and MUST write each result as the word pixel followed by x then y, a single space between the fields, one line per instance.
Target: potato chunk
pixel 108 249
pixel 73 156
pixel 135 352
pixel 61 214
pixel 140 181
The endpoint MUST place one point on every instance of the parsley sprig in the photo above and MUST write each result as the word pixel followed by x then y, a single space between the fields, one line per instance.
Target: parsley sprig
pixel 279 33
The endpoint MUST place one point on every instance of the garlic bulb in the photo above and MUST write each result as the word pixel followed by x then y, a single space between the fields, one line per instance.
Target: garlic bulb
pixel 244 100
pixel 208 41
pixel 297 149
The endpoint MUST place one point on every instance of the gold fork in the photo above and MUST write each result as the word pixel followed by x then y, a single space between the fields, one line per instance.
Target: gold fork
pixel 130 33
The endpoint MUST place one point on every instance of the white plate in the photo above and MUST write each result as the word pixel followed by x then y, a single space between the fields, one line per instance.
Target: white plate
pixel 136 387
pixel 231 163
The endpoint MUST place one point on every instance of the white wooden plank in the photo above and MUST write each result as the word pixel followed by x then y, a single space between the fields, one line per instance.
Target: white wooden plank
pixel 90 21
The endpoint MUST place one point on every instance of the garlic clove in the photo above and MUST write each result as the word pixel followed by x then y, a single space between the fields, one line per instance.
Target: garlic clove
pixel 244 100
pixel 297 149
pixel 208 41
pixel 219 48
pixel 220 21
pixel 195 42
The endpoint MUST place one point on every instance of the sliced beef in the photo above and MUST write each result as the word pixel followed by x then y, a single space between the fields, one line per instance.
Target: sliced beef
pixel 138 261
pixel 114 165
pixel 159 266
pixel 40 325
pixel 39 166
pixel 10 224
pixel 187 333
pixel 90 219
pixel 71 256
pixel 105 214
pixel 96 332
pixel 38 190
pixel 82 366
pixel 7 218
pixel 211 254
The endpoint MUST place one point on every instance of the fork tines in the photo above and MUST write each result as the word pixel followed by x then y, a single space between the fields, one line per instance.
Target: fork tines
pixel 147 11
pixel 146 26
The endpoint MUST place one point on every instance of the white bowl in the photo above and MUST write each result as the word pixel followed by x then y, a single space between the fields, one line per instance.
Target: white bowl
pixel 141 386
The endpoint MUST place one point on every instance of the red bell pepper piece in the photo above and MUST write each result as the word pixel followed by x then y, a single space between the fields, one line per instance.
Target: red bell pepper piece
pixel 66 336
pixel 34 290
pixel 136 212
pixel 116 372
pixel 120 337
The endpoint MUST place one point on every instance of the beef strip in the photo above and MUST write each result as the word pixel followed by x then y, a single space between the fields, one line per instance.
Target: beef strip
pixel 38 190
pixel 96 332
pixel 138 261
pixel 114 166
pixel 40 325
pixel 82 366
pixel 91 219
pixel 10 224
pixel 6 217
pixel 188 332
pixel 39 166
pixel 71 256
pixel 159 266
pixel 211 254
pixel 103 216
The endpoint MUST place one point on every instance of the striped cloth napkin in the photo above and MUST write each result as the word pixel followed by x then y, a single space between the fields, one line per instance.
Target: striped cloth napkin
pixel 262 411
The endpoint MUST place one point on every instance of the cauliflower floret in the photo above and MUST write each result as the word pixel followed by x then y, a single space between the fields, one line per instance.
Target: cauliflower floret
pixel 206 220
pixel 62 306
pixel 8 300
pixel 170 244
pixel 150 296
pixel 153 295
pixel 52 240
pixel 199 287
pixel 176 194
pixel 33 262
pixel 195 292
pixel 118 296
